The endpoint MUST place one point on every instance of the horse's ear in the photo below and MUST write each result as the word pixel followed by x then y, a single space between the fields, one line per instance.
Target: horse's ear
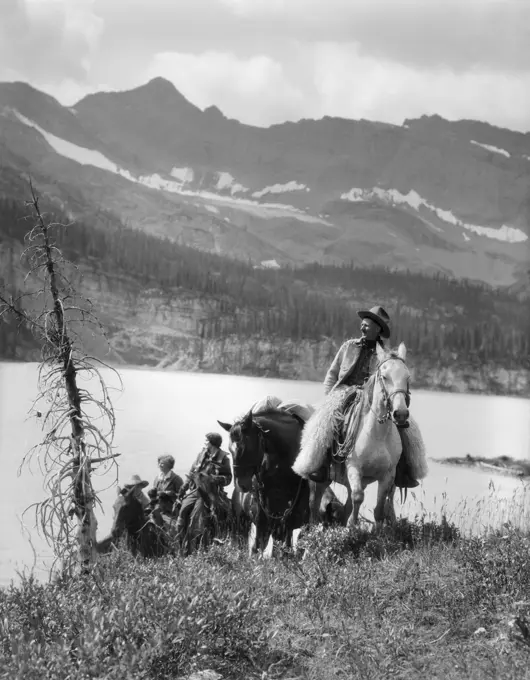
pixel 225 426
pixel 118 491
pixel 402 351
pixel 246 423
pixel 381 354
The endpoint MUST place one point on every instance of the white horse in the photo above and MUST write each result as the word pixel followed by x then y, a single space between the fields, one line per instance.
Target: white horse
pixel 372 445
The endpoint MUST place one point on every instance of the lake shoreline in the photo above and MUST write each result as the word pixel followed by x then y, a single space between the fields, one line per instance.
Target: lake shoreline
pixel 501 464
pixel 458 386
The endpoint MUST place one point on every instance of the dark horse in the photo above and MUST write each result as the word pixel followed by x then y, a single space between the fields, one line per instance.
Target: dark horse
pixel 210 517
pixel 264 446
pixel 142 536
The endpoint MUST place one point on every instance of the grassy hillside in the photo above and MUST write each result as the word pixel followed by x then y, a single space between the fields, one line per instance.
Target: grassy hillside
pixel 418 601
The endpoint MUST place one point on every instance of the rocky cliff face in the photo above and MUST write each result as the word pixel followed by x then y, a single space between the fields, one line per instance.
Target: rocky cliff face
pixel 430 195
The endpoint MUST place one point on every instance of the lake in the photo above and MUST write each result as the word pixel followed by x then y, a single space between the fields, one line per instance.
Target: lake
pixel 169 412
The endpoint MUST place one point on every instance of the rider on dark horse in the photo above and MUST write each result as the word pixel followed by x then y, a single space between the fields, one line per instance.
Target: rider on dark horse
pixel 351 368
pixel 215 463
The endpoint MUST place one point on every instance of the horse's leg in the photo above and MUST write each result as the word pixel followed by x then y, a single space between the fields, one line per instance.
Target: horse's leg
pixel 259 535
pixel 390 512
pixel 348 506
pixel 316 491
pixel 356 492
pixel 384 488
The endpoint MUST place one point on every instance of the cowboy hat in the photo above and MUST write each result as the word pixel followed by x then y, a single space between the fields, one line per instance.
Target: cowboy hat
pixel 136 480
pixel 380 316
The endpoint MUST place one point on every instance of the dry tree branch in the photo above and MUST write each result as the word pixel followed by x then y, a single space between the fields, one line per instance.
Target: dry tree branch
pixel 79 423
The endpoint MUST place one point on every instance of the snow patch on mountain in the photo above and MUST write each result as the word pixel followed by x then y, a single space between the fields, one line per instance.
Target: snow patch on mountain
pixel 494 149
pixel 280 189
pixel 226 181
pixel 96 159
pixel 73 151
pixel 185 175
pixel 414 200
pixel 212 209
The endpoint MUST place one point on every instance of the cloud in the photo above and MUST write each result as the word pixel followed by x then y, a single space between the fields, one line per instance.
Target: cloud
pixel 265 61
pixel 48 40
pixel 256 87
pixel 458 34
pixel 354 85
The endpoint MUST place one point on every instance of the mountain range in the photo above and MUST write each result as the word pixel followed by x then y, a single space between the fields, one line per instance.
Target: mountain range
pixel 428 196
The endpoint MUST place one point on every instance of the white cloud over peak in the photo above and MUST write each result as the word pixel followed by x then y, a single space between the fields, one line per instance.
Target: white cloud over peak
pixel 257 85
pixel 266 61
pixel 354 85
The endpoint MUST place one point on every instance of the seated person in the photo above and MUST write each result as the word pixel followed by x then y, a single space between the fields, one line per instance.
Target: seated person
pixel 213 461
pixel 167 480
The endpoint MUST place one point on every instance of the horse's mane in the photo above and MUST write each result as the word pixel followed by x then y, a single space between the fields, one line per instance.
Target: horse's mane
pixel 368 392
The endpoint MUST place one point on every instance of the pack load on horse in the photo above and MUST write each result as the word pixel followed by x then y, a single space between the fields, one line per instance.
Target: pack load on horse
pixel 204 489
pixel 264 444
pixel 362 431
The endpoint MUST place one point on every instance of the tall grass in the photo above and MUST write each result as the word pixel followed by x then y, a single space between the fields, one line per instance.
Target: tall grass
pixel 422 599
pixel 473 516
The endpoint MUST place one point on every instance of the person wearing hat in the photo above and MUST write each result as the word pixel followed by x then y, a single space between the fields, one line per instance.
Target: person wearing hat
pixel 351 368
pixel 356 359
pixel 136 483
pixel 213 461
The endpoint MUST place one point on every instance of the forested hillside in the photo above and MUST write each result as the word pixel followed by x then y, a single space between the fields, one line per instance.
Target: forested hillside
pixel 442 321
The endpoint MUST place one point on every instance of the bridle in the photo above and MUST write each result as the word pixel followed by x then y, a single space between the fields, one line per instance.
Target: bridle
pixel 388 397
pixel 255 470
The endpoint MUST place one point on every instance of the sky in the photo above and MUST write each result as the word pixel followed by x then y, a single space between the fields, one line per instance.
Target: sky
pixel 267 61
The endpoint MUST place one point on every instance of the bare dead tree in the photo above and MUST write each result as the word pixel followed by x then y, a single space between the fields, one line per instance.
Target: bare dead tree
pixel 78 423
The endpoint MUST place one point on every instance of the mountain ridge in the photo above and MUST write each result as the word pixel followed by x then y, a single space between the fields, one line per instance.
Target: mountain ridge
pixel 426 195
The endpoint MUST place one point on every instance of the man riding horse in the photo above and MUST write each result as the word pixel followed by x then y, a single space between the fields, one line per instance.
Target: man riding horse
pixel 351 368
pixel 215 463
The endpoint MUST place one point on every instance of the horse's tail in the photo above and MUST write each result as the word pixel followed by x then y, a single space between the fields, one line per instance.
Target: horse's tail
pixel 414 450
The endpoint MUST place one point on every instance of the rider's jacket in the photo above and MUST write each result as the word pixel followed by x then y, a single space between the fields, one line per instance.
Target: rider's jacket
pixel 215 463
pixel 353 364
pixel 169 483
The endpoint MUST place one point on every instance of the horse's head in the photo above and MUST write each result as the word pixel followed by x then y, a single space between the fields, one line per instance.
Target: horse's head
pixel 206 486
pixel 393 378
pixel 247 446
pixel 128 513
